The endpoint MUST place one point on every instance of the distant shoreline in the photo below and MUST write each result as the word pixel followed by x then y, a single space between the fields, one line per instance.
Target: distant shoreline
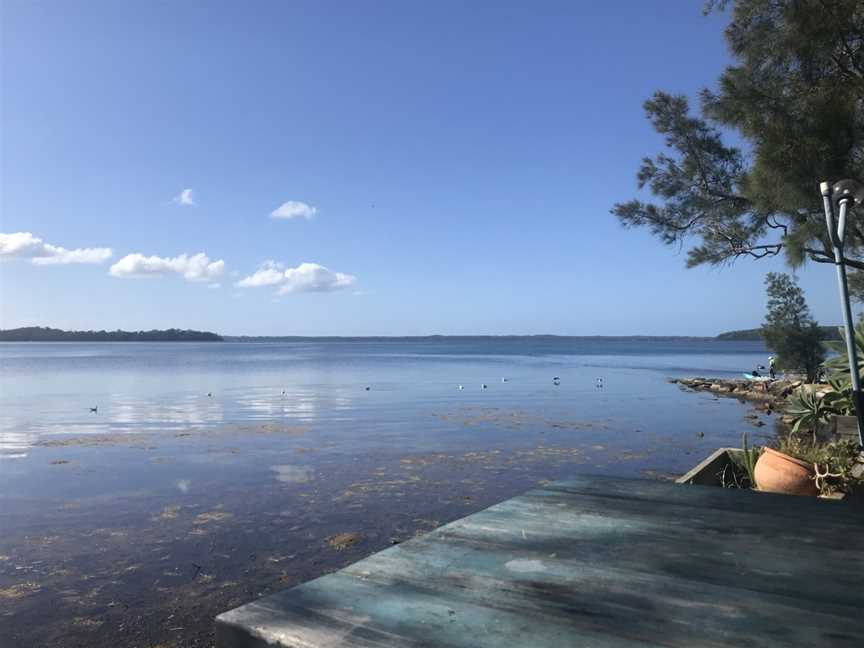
pixel 44 334
pixel 459 338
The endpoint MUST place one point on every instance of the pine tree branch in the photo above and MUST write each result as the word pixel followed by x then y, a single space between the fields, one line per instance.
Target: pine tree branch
pixel 822 257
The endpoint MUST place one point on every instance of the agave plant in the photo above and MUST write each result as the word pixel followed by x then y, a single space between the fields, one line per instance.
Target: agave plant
pixel 839 399
pixel 838 365
pixel 751 455
pixel 808 411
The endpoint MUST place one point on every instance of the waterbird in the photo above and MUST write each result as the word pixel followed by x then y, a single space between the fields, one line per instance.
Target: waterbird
pixel 555 378
pixel 209 394
pixel 503 380
pixel 94 409
pixel 461 387
pixel 368 388
pixel 483 386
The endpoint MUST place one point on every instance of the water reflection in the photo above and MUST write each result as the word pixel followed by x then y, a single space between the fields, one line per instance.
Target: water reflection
pixel 13 444
pixel 292 474
pixel 48 389
pixel 305 406
pixel 189 411
pixel 117 414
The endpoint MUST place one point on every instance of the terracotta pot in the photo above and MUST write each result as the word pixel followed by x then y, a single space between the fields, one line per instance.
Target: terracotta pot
pixel 779 473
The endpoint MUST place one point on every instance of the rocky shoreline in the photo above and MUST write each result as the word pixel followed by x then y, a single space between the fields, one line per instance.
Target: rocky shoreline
pixel 768 395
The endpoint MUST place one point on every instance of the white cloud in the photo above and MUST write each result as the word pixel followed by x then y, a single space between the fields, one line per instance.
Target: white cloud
pixel 197 267
pixel 23 245
pixel 294 209
pixel 185 198
pixel 269 274
pixel 307 277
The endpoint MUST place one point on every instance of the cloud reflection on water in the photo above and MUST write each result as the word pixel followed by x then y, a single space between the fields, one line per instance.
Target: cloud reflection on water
pixel 292 474
pixel 13 444
pixel 304 406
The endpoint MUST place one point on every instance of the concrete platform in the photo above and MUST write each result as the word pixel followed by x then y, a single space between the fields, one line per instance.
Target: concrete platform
pixel 595 562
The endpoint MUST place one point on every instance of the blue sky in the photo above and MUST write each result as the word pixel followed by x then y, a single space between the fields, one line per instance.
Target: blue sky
pixel 441 167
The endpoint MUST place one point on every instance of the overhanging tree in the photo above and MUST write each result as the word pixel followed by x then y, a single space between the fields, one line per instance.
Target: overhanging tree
pixel 795 96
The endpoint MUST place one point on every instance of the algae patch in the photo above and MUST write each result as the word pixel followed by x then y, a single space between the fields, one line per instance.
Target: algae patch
pixel 19 591
pixel 211 516
pixel 168 513
pixel 342 541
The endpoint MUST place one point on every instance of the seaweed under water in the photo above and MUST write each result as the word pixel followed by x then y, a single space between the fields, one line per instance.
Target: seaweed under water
pixel 136 526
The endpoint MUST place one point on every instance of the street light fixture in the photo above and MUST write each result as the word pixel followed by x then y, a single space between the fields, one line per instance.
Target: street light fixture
pixel 845 195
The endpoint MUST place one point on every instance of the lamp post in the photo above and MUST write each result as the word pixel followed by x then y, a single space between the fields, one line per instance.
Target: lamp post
pixel 846 194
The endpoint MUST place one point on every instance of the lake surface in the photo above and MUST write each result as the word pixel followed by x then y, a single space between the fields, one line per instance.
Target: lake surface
pixel 213 473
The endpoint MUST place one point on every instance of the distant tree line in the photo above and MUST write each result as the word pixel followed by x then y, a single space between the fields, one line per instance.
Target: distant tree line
pixel 460 338
pixel 45 334
pixel 757 334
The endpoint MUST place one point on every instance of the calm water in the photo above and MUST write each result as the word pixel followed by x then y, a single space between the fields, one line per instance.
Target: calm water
pixel 49 388
pixel 213 473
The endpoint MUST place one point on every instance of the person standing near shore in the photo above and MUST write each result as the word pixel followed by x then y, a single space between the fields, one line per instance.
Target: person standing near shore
pixel 771 363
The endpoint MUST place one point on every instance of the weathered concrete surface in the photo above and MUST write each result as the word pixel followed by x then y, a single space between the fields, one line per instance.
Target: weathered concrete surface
pixel 597 562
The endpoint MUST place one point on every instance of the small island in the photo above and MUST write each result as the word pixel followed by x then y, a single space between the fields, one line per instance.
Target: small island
pixel 46 334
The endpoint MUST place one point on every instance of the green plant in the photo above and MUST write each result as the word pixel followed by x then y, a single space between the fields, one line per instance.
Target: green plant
pixel 838 365
pixel 839 399
pixel 789 329
pixel 751 455
pixel 807 411
pixel 833 462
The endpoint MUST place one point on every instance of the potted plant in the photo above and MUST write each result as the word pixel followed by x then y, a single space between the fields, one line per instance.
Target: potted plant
pixel 784 470
pixel 806 466
pixel 778 472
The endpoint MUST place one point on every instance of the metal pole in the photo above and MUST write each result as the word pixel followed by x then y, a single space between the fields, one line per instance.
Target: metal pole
pixel 837 235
